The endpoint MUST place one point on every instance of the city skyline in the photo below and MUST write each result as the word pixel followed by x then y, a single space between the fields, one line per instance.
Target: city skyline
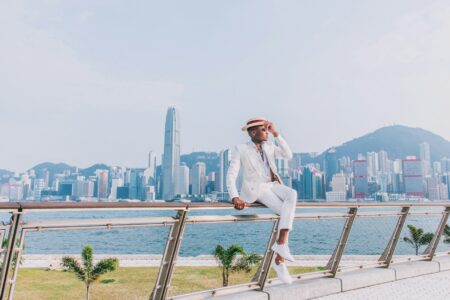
pixel 372 176
pixel 88 79
pixel 157 158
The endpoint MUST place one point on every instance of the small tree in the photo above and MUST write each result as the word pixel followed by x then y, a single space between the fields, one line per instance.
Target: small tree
pixel 89 273
pixel 229 262
pixel 417 238
pixel 447 234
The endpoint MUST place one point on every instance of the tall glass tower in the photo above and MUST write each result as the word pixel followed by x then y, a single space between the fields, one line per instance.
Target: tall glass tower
pixel 171 156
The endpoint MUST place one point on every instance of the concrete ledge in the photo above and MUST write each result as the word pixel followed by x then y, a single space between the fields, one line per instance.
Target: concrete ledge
pixel 307 289
pixel 414 268
pixel 444 262
pixel 320 287
pixel 250 295
pixel 363 278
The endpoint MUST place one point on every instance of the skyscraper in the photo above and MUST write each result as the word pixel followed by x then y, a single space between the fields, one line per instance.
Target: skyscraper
pixel 183 180
pixel 425 157
pixel 198 178
pixel 412 176
pixel 171 156
pixel 383 161
pixel 372 164
pixel 225 157
pixel 330 166
pixel 361 180
pixel 102 183
pixel 152 163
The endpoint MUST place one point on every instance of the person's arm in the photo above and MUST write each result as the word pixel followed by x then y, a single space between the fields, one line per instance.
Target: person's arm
pixel 232 174
pixel 282 149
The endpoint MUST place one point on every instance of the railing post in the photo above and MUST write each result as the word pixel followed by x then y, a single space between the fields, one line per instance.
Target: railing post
pixel 389 251
pixel 431 249
pixel 19 251
pixel 168 260
pixel 333 263
pixel 264 267
pixel 16 220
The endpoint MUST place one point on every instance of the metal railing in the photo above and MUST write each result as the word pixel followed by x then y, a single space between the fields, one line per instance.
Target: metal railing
pixel 14 232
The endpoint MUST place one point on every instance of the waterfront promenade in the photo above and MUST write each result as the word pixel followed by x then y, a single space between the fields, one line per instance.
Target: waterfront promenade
pixel 434 286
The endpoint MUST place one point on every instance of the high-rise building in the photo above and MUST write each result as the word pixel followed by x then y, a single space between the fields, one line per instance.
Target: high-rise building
pixel 115 183
pixel 338 188
pixel 338 183
pixel 210 180
pixel 372 164
pixel 82 188
pixel 425 157
pixel 437 168
pixel 46 177
pixel 295 163
pixel 413 176
pixel 445 165
pixel 102 184
pixel 383 162
pixel 198 178
pixel 282 166
pixel 183 180
pixel 330 166
pixel 39 185
pixel 360 178
pixel 134 182
pixel 221 179
pixel 171 156
pixel 436 188
pixel 152 160
pixel 312 184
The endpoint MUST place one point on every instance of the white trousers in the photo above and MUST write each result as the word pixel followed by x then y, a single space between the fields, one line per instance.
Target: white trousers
pixel 281 200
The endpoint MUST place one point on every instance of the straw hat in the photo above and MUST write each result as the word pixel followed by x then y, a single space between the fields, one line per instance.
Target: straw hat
pixel 253 122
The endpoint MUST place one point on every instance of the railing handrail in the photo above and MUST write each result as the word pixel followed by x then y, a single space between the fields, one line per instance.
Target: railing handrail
pixel 198 205
pixel 17 228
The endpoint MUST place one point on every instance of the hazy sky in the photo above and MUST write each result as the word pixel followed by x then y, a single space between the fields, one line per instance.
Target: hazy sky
pixel 90 81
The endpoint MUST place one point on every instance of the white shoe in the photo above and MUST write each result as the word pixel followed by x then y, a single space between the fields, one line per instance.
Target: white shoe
pixel 283 251
pixel 282 272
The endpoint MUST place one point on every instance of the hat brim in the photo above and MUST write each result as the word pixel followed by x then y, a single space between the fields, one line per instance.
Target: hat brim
pixel 246 127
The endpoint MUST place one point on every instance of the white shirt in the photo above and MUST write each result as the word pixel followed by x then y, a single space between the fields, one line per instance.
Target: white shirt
pixel 264 162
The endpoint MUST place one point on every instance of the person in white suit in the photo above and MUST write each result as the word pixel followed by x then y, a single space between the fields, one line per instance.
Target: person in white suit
pixel 261 183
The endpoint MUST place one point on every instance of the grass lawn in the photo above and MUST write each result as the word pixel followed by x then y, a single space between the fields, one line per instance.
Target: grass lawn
pixel 124 283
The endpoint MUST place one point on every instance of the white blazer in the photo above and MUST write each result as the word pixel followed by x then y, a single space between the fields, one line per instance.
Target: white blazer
pixel 252 170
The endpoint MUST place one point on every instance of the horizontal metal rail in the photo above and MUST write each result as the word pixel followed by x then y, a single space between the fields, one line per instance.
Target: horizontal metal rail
pixel 176 206
pixel 90 224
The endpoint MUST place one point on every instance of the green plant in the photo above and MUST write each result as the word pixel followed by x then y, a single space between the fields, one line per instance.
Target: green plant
pixel 447 234
pixel 229 261
pixel 417 238
pixel 88 272
pixel 5 245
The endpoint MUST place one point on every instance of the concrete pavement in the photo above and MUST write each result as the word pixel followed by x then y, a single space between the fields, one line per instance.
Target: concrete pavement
pixel 433 286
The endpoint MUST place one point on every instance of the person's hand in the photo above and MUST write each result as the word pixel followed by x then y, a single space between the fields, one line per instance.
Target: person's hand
pixel 271 128
pixel 238 203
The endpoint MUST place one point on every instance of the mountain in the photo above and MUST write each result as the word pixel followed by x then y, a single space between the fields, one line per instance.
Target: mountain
pixel 211 160
pixel 53 167
pixel 5 173
pixel 91 170
pixel 398 141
